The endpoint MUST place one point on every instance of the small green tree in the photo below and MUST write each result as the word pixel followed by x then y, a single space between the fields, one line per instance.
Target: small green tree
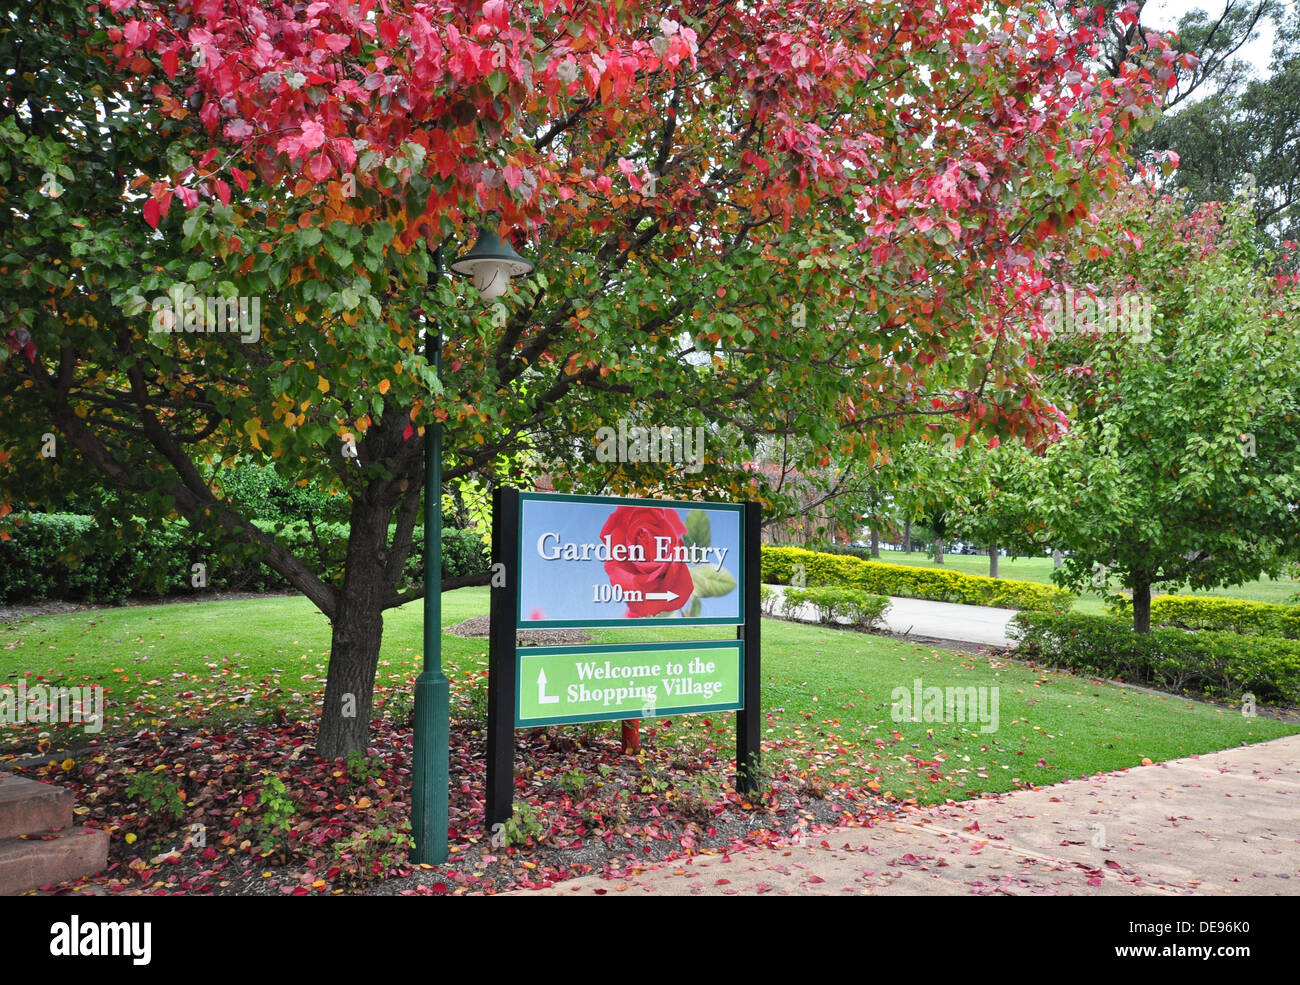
pixel 1182 467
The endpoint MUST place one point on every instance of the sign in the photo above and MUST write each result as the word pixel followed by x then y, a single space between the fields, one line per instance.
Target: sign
pixel 565 684
pixel 594 561
pixel 591 561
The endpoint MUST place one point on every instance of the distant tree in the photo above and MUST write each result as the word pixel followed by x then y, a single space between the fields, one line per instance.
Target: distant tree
pixel 1182 463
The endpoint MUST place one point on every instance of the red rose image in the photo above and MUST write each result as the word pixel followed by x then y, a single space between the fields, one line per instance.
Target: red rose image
pixel 637 527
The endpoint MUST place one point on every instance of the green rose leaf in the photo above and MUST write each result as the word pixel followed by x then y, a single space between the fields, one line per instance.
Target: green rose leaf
pixel 710 583
pixel 698 531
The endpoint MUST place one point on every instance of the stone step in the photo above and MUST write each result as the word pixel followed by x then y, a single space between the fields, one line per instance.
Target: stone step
pixel 28 807
pixel 27 863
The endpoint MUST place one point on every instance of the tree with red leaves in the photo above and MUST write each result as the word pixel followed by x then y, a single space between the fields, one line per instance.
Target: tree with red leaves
pixel 819 219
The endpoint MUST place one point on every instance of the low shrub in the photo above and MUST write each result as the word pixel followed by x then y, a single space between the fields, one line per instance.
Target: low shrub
pixel 880 578
pixel 832 604
pixel 65 556
pixel 1207 662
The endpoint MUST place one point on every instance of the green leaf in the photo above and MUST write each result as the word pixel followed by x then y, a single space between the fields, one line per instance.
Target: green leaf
pixel 341 254
pixel 710 583
pixel 698 532
pixel 694 610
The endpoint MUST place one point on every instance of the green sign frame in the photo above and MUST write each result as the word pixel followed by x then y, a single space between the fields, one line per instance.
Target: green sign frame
pixel 696 687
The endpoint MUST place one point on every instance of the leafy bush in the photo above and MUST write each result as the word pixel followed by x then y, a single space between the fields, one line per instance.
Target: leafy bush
pixel 261 493
pixel 1168 658
pixel 368 855
pixel 832 604
pixel 1226 615
pixel 66 556
pixel 880 578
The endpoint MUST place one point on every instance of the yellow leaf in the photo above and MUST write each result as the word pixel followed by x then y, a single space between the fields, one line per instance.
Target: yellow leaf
pixel 383 386
pixel 322 384
pixel 130 839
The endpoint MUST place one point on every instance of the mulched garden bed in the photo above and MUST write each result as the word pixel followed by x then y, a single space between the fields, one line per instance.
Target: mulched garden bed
pixel 248 809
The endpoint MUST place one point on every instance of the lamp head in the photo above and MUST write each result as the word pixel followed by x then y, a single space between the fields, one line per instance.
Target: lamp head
pixel 491 263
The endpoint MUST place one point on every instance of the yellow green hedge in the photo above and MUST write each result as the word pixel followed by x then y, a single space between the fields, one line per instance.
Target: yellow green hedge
pixel 1224 615
pixel 903 580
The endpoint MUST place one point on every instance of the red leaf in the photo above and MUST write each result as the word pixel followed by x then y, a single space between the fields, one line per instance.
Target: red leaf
pixel 223 190
pixel 496 13
pixel 170 62
pixel 151 213
pixel 240 179
pixel 319 166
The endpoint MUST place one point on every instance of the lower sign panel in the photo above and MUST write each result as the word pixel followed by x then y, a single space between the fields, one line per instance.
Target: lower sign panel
pixel 565 684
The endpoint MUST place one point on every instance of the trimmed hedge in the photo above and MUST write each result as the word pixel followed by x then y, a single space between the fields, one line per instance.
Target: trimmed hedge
pixel 881 578
pixel 1170 659
pixel 57 556
pixel 858 608
pixel 1225 615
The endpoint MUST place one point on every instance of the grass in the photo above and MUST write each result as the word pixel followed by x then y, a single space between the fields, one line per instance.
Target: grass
pixel 827 693
pixel 1039 569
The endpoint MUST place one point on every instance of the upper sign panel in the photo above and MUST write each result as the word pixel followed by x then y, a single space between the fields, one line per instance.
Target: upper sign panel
pixel 597 561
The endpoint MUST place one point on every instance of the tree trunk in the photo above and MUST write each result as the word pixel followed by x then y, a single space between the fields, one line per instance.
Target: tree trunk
pixel 357 631
pixel 1141 606
pixel 1056 558
pixel 938 550
pixel 907 537
pixel 993 560
pixel 875 544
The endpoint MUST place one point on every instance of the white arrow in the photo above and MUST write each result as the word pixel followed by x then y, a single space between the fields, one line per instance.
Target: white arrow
pixel 542 697
pixel 664 596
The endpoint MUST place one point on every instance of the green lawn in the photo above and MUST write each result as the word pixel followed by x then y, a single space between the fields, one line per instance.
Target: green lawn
pixel 1039 569
pixel 826 693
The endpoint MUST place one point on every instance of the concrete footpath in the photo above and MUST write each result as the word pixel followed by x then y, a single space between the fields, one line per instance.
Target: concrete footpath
pixel 1226 823
pixel 980 624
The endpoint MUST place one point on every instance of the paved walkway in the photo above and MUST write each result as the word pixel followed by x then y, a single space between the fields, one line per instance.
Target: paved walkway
pixel 980 624
pixel 1221 824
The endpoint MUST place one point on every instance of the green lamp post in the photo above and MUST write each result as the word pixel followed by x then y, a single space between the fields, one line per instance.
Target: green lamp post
pixel 491 263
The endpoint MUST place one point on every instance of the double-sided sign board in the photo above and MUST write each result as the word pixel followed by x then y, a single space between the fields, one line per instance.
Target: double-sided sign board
pixel 595 562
